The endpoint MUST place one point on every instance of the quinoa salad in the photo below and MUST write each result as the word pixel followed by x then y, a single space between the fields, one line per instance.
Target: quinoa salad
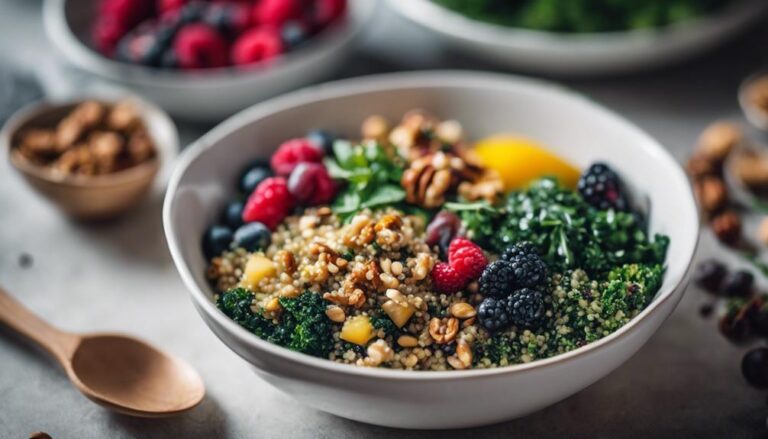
pixel 407 247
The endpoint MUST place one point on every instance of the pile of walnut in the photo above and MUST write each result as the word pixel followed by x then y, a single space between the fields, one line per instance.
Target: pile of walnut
pixel 93 139
pixel 719 141
pixel 439 163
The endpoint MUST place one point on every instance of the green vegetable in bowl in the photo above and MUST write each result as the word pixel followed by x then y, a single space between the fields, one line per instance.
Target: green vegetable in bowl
pixel 584 16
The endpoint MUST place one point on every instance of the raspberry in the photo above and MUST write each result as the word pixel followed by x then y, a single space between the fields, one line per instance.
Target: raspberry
pixel 275 12
pixel 198 45
pixel 269 203
pixel 445 279
pixel 467 258
pixel 106 34
pixel 327 11
pixel 293 152
pixel 164 6
pixel 256 45
pixel 311 184
pixel 126 12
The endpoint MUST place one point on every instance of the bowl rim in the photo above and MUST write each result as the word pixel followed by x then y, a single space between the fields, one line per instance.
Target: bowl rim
pixel 42 106
pixel 381 82
pixel 459 26
pixel 63 38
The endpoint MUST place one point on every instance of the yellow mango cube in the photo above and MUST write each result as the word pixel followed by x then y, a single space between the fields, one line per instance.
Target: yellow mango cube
pixel 257 268
pixel 399 313
pixel 357 330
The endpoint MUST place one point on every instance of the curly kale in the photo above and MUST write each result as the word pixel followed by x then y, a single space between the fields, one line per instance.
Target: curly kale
pixel 569 232
pixel 499 349
pixel 385 323
pixel 584 15
pixel 236 304
pixel 630 288
pixel 306 325
pixel 303 325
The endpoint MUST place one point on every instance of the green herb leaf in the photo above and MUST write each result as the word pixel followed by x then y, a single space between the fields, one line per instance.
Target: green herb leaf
pixel 385 195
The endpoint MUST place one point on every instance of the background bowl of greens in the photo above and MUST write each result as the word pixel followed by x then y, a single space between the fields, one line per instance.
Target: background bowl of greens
pixel 485 104
pixel 582 37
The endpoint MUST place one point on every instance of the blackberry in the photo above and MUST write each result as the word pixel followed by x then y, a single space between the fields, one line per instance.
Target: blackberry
pixel 738 284
pixel 493 314
pixel 522 248
pixel 709 274
pixel 529 270
pixel 601 187
pixel 496 279
pixel 525 308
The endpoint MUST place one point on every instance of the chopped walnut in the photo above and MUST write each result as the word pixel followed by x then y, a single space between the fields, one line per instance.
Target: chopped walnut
pixel 443 330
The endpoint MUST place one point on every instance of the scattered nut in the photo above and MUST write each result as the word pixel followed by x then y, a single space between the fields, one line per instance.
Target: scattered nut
pixel 443 330
pixel 375 127
pixel 335 313
pixel 727 227
pixel 712 194
pixel 273 305
pixel 762 231
pixel 463 357
pixel 407 341
pixel 378 352
pixel 462 310
pixel 718 140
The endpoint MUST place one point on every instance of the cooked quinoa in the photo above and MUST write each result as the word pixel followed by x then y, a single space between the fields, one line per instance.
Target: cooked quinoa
pixel 419 260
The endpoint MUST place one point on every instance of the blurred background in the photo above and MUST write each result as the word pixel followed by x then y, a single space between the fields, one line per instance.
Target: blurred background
pixel 672 68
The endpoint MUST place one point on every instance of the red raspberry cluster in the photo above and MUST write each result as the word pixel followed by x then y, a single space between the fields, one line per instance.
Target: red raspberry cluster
pixel 466 262
pixel 300 179
pixel 196 34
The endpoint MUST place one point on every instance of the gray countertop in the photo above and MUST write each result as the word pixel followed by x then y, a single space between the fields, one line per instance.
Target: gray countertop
pixel 118 276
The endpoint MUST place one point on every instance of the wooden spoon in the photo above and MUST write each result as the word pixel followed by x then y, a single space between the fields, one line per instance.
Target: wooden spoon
pixel 119 372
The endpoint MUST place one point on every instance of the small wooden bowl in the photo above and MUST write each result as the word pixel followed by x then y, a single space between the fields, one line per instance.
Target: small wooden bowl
pixel 92 197
pixel 758 117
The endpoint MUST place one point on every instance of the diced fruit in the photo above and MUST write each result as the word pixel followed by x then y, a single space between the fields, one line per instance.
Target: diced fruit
pixel 252 176
pixel 257 268
pixel 216 240
pixel 357 330
pixel 256 45
pixel 399 313
pixel 253 236
pixel 519 160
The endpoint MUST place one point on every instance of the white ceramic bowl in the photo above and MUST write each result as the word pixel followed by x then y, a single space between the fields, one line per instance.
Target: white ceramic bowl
pixel 211 94
pixel 485 104
pixel 580 54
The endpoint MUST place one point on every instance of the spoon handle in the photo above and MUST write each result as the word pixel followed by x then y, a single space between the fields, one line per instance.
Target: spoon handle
pixel 16 316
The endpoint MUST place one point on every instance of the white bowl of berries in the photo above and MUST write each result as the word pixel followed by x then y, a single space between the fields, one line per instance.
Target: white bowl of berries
pixel 359 277
pixel 204 60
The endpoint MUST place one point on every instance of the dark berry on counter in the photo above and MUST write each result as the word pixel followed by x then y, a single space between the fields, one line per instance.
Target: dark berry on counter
pixel 252 176
pixel 311 184
pixel 737 325
pixel 601 187
pixel 294 34
pixel 760 322
pixel 497 279
pixel 709 275
pixel 738 284
pixel 526 308
pixel 523 248
pixel 529 270
pixel 441 231
pixel 216 240
pixel 258 44
pixel 706 310
pixel 323 140
pixel 253 236
pixel 198 45
pixel 233 214
pixel 493 314
pixel 754 367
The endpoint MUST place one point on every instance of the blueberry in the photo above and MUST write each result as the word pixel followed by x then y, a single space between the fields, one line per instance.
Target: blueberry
pixel 754 367
pixel 233 214
pixel 252 176
pixel 709 275
pixel 216 240
pixel 323 140
pixel 253 236
pixel 294 34
pixel 738 284
pixel 192 12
